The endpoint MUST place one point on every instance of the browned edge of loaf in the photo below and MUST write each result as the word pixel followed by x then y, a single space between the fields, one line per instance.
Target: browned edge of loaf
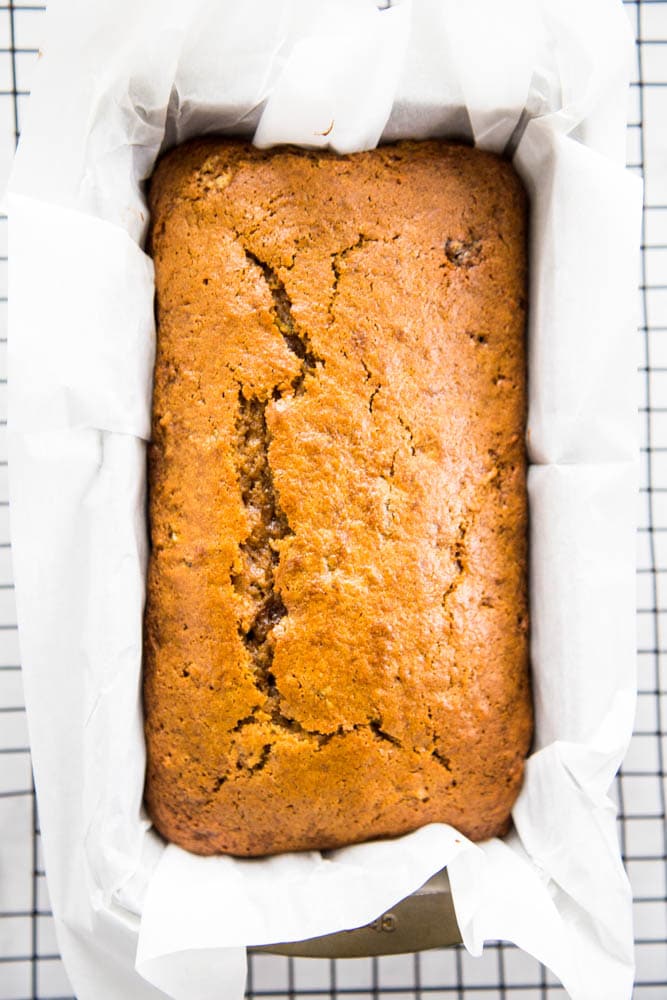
pixel 336 630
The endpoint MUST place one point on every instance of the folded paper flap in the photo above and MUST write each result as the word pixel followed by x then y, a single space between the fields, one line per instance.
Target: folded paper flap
pixel 577 327
pixel 538 925
pixel 568 813
pixel 310 893
pixel 353 69
pixel 81 356
pixel 82 348
pixel 582 588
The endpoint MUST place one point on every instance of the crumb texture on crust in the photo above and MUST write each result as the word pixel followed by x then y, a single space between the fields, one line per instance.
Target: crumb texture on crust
pixel 336 628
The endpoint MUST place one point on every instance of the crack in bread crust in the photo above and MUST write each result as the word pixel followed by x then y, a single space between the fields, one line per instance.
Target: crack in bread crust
pixel 296 339
pixel 267 525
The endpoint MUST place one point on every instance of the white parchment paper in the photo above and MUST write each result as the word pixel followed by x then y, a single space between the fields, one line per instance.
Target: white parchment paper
pixel 119 81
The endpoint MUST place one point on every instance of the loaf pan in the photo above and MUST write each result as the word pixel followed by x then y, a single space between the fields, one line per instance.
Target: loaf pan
pixel 426 919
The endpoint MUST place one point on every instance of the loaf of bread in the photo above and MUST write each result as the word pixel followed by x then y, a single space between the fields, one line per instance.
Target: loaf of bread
pixel 336 631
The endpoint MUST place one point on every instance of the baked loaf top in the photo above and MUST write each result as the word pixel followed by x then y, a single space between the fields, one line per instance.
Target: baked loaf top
pixel 336 622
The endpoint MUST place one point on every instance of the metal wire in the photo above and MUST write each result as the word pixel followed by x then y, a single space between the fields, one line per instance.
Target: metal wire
pixel 30 968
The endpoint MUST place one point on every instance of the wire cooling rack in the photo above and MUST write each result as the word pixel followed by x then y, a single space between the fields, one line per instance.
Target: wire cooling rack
pixel 30 966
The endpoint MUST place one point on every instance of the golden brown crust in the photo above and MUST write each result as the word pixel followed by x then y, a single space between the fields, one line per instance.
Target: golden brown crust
pixel 336 621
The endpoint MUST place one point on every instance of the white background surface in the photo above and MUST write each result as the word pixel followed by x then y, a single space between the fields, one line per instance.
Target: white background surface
pixel 641 790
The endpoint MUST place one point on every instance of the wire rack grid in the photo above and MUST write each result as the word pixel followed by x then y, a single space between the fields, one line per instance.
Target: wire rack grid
pixel 30 966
